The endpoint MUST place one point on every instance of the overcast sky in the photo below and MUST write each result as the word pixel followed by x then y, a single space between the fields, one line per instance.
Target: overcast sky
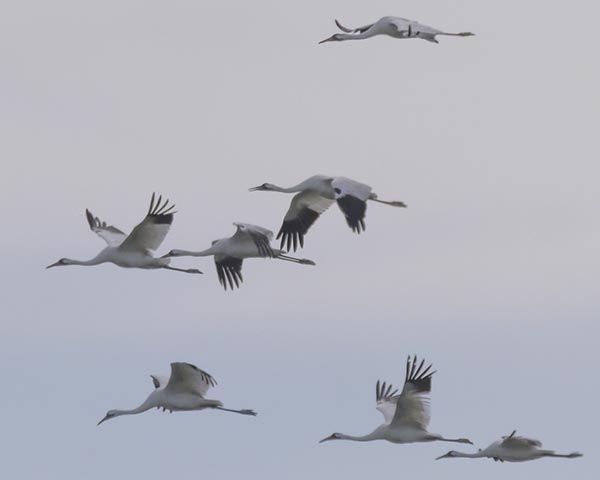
pixel 492 273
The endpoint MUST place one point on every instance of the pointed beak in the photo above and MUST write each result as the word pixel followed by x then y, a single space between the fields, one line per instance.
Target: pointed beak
pixel 330 437
pixel 443 456
pixel 103 420
pixel 255 189
pixel 166 255
pixel 328 39
pixel 53 265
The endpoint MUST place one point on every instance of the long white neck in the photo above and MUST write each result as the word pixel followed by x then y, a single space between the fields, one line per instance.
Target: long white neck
pixel 479 454
pixel 147 405
pixel 294 189
pixel 356 36
pixel 375 435
pixel 94 261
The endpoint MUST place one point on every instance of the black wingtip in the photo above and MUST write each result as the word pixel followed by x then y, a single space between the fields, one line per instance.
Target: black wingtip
pixel 90 218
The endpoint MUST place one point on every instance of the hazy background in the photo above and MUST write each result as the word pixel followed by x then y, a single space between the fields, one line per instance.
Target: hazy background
pixel 492 273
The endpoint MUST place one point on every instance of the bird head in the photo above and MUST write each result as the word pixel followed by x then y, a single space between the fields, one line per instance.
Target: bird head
pixel 110 414
pixel 450 454
pixel 263 187
pixel 61 263
pixel 333 436
pixel 336 37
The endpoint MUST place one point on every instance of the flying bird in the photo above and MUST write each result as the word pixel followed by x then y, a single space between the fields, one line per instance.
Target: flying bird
pixel 249 241
pixel 133 250
pixel 407 414
pixel 184 390
pixel 394 27
pixel 317 194
pixel 512 448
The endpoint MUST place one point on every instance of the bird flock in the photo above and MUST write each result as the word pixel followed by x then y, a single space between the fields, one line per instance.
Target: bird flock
pixel 406 412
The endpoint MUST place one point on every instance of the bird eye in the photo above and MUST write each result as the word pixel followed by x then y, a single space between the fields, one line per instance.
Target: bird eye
pixel 337 190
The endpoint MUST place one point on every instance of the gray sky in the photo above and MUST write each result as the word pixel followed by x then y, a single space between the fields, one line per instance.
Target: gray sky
pixel 491 273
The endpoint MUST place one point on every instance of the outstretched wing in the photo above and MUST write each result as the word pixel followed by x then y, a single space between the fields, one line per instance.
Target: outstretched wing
pixel 362 29
pixel 352 199
pixel 412 28
pixel 159 380
pixel 229 269
pixel 386 400
pixel 514 442
pixel 111 235
pixel 411 407
pixel 261 237
pixel 304 210
pixel 187 378
pixel 150 233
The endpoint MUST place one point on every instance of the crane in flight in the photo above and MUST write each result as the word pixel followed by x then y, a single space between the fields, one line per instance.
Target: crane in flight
pixel 184 390
pixel 249 241
pixel 133 250
pixel 393 27
pixel 314 196
pixel 512 448
pixel 406 414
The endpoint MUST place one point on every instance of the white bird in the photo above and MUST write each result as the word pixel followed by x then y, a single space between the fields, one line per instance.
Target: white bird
pixel 394 27
pixel 249 241
pixel 184 390
pixel 512 448
pixel 406 415
pixel 315 195
pixel 133 250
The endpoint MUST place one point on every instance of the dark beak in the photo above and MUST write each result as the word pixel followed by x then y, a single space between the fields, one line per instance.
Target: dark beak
pixel 101 421
pixel 255 189
pixel 166 255
pixel 306 261
pixel 443 456
pixel 330 437
pixel 329 39
pixel 53 265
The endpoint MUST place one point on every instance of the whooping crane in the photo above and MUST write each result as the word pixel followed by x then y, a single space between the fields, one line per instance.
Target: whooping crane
pixel 394 27
pixel 133 250
pixel 249 241
pixel 512 448
pixel 184 390
pixel 406 415
pixel 317 194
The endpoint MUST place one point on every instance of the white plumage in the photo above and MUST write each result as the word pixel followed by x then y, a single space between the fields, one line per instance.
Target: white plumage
pixel 184 390
pixel 248 241
pixel 406 415
pixel 314 196
pixel 396 27
pixel 133 250
pixel 512 448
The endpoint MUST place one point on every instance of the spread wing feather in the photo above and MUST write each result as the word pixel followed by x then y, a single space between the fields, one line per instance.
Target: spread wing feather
pixel 351 197
pixel 411 406
pixel 187 378
pixel 150 233
pixel 229 270
pixel 305 209
pixel 261 237
pixel 515 442
pixel 111 235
